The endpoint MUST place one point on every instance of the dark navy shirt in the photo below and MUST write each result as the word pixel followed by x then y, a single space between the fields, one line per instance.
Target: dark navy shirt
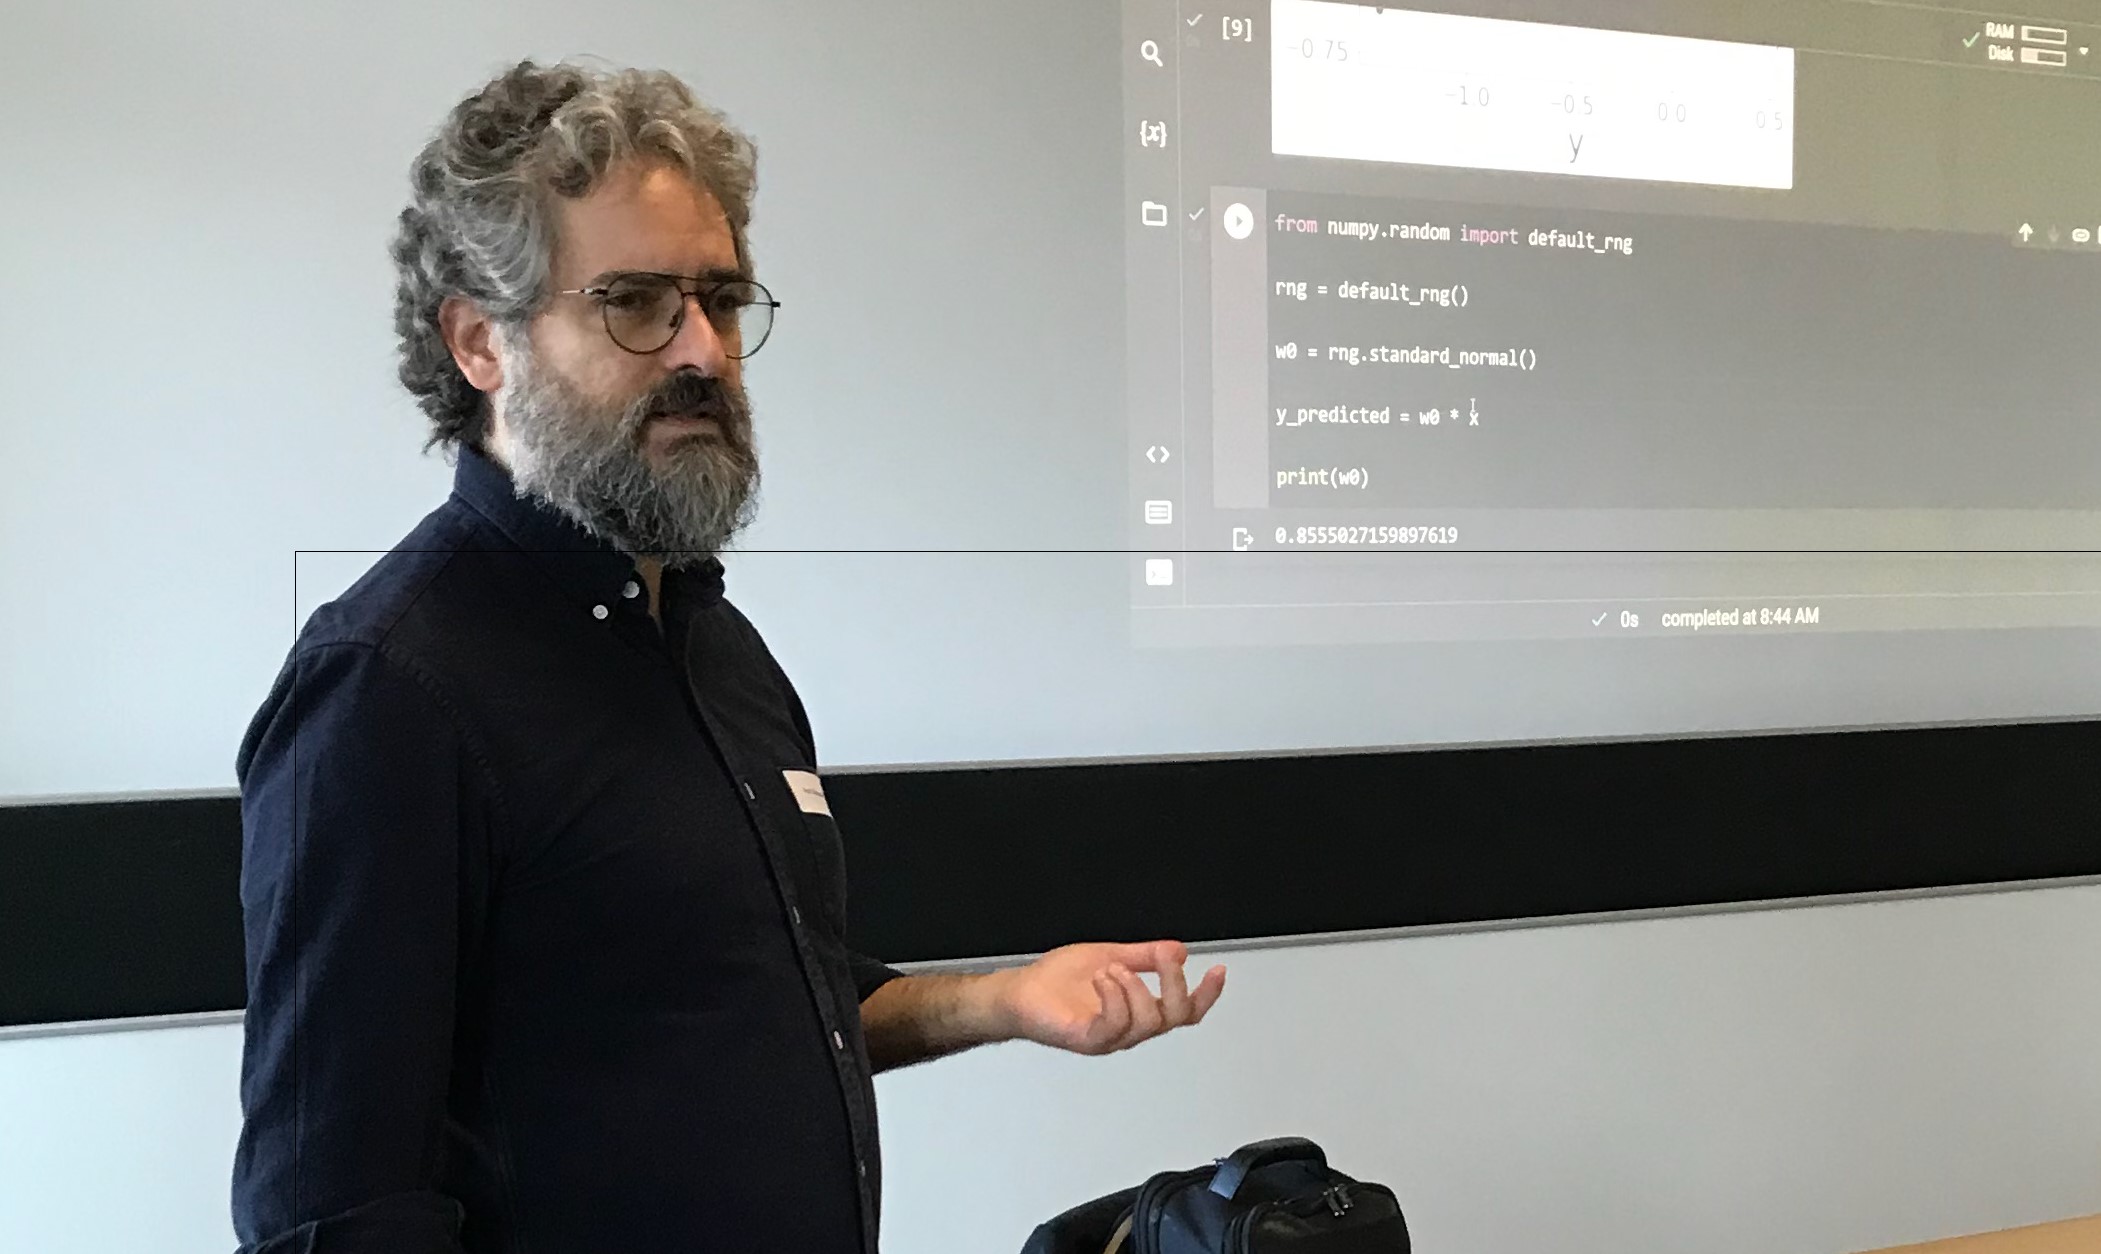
pixel 545 918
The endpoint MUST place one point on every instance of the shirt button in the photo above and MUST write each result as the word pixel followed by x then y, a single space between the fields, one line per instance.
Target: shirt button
pixel 838 1041
pixel 632 590
pixel 795 915
pixel 599 612
pixel 862 1163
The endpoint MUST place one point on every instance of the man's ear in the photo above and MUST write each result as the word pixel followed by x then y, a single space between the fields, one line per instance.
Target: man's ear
pixel 472 338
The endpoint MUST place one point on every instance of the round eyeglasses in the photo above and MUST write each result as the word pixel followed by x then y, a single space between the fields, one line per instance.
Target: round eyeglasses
pixel 643 311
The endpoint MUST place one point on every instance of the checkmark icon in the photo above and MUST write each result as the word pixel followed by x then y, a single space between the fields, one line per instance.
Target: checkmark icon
pixel 1599 620
pixel 1194 20
pixel 1198 214
pixel 1971 42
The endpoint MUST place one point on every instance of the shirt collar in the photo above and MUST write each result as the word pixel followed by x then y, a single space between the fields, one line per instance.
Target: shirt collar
pixel 587 568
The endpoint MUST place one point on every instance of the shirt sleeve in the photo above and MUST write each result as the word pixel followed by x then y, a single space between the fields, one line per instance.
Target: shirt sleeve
pixel 357 798
pixel 869 975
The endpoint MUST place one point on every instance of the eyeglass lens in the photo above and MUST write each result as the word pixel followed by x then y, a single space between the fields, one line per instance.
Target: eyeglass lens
pixel 643 312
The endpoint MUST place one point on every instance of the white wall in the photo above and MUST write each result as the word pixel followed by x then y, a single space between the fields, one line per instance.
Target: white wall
pixel 196 381
pixel 1816 1080
pixel 119 1141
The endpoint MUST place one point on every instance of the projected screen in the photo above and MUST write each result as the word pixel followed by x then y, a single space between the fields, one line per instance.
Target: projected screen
pixel 1578 320
pixel 1151 378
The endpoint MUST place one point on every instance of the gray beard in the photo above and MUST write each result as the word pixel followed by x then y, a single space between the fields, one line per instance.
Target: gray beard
pixel 589 462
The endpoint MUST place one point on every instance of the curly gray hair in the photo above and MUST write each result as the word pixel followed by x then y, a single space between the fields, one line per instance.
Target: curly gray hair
pixel 479 222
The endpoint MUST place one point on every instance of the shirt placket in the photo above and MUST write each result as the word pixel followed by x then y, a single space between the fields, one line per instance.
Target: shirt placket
pixel 844 1065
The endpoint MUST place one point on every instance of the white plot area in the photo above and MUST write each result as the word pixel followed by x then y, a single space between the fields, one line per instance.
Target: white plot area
pixel 1369 84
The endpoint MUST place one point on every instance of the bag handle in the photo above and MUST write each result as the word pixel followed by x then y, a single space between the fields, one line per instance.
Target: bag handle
pixel 1232 1171
pixel 1119 1239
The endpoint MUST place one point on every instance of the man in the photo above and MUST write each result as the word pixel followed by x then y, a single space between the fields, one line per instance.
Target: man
pixel 545 908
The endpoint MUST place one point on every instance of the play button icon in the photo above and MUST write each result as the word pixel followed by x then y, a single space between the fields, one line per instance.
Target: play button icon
pixel 1238 220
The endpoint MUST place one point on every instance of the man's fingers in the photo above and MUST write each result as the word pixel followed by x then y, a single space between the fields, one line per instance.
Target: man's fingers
pixel 1207 994
pixel 1108 1030
pixel 1151 956
pixel 1131 1014
pixel 1145 1008
pixel 1175 1006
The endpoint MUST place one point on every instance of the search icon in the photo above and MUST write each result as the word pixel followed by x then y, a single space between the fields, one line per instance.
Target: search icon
pixel 1150 51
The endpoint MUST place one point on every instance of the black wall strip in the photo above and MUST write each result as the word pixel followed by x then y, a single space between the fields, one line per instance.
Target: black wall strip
pixel 110 909
pixel 124 908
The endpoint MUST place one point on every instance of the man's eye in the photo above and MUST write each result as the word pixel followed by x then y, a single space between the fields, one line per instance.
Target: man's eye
pixel 629 302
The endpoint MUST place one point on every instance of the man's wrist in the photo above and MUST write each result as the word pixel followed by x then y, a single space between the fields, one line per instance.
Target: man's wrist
pixel 913 1019
pixel 988 1007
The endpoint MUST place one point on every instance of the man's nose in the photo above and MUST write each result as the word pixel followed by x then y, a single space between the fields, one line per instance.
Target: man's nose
pixel 696 345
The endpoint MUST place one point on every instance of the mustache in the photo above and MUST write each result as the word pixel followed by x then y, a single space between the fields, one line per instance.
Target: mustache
pixel 689 392
pixel 693 394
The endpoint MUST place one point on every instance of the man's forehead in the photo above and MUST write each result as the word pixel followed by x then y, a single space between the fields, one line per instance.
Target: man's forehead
pixel 647 218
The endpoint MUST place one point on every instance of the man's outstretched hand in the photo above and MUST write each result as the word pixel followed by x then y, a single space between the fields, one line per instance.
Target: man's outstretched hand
pixel 1084 998
pixel 1088 999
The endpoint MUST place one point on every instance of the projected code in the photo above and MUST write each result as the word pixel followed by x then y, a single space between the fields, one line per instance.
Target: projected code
pixel 1406 281
pixel 1464 233
pixel 1467 356
pixel 1451 296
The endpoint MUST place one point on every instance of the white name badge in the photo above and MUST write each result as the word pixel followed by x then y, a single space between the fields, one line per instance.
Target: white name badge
pixel 809 792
